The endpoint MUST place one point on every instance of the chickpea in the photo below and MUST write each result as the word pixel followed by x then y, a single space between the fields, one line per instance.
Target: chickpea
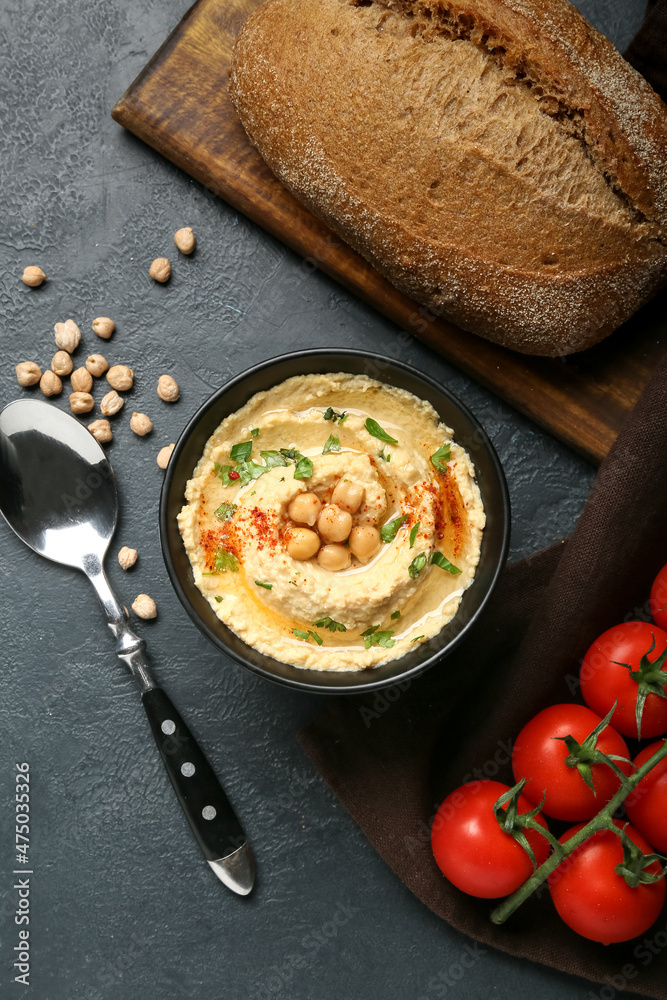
pixel 302 543
pixel 334 557
pixel 305 508
pixel 81 380
pixel 334 524
pixel 61 363
pixel 348 495
pixel 364 542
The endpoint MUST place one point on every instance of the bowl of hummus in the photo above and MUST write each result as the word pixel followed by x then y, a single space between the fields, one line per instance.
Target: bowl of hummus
pixel 334 520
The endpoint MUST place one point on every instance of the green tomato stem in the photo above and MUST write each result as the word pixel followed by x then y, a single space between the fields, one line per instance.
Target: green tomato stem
pixel 602 821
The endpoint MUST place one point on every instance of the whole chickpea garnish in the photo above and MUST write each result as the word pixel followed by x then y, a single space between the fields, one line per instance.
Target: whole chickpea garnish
pixel 301 543
pixel 50 384
pixel 144 606
pixel 334 524
pixel 305 508
pixel 334 557
pixel 348 495
pixel 81 380
pixel 164 455
pixel 28 373
pixel 127 557
pixel 365 541
pixel 160 270
pixel 61 363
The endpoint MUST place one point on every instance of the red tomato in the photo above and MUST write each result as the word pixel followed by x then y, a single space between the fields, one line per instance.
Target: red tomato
pixel 472 850
pixel 646 806
pixel 659 598
pixel 540 758
pixel 596 902
pixel 604 682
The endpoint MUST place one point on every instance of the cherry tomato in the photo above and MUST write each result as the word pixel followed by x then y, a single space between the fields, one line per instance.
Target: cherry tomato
pixel 646 806
pixel 473 851
pixel 540 758
pixel 596 902
pixel 604 682
pixel 659 598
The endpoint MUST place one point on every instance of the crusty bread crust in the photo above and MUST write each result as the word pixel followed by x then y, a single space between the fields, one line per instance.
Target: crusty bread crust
pixel 497 160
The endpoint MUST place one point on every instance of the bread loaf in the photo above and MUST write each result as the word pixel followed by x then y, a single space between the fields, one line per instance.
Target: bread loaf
pixel 497 160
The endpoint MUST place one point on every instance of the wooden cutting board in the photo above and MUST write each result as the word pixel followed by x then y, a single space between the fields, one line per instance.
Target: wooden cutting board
pixel 180 106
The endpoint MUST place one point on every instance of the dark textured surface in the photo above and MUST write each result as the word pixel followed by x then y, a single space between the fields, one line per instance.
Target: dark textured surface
pixel 122 904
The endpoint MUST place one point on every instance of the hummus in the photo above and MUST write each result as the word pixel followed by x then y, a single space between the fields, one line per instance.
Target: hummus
pixel 414 515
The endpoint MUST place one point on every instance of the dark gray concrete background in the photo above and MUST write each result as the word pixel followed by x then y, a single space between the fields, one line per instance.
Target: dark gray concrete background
pixel 122 904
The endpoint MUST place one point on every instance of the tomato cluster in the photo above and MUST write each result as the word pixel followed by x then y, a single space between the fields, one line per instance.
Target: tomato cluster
pixel 569 761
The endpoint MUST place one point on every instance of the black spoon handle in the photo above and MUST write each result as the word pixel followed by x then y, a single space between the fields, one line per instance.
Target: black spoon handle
pixel 206 807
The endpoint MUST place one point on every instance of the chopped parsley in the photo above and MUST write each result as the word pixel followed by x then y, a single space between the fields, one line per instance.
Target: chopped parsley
pixel 396 614
pixel 267 586
pixel 332 443
pixel 273 458
pixel 218 599
pixel 240 452
pixel 254 432
pixel 226 511
pixel 378 637
pixel 417 638
pixel 303 468
pixel 240 474
pixel 330 624
pixel 413 533
pixel 291 453
pixel 307 635
pixel 225 560
pixel 374 429
pixel 385 456
pixel 417 565
pixel 439 560
pixel 441 457
pixel 331 414
pixel 388 530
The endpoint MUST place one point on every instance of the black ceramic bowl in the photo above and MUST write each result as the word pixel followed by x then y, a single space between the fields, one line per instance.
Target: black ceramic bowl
pixel 467 432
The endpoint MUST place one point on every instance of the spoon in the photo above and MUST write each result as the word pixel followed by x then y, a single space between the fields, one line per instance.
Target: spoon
pixel 58 494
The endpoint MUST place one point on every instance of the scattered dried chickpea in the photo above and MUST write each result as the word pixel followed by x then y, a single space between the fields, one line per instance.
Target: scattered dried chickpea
pixel 50 384
pixel 185 240
pixel 103 327
pixel 33 276
pixel 140 424
pixel 111 403
pixel 96 364
pixel 28 373
pixel 127 557
pixel 160 270
pixel 61 363
pixel 82 380
pixel 167 388
pixel 68 335
pixel 144 606
pixel 164 455
pixel 81 402
pixel 101 431
pixel 120 377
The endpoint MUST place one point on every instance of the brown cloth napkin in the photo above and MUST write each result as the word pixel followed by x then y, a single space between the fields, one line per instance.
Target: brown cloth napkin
pixel 393 756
